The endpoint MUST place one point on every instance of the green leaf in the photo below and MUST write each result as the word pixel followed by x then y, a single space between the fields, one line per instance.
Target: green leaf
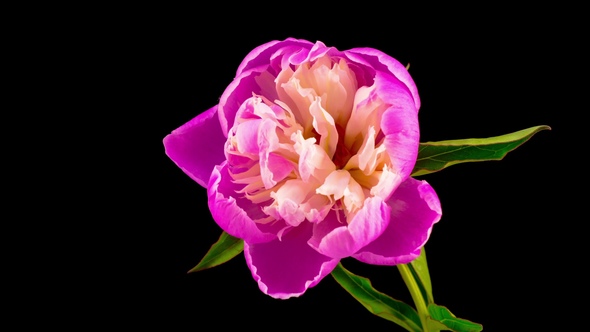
pixel 434 325
pixel 443 315
pixel 435 156
pixel 376 302
pixel 419 268
pixel 226 248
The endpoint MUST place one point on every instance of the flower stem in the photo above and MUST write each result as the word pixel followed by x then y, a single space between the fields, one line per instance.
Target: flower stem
pixel 414 289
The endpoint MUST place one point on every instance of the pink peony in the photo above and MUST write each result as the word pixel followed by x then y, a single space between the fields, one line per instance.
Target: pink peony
pixel 307 158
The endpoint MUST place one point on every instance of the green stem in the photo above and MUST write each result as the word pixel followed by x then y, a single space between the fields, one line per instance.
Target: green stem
pixel 421 306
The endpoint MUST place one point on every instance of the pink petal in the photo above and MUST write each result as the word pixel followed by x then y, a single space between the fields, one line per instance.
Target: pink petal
pixel 320 49
pixel 402 132
pixel 383 62
pixel 253 76
pixel 197 146
pixel 273 166
pixel 338 240
pixel 288 267
pixel 415 208
pixel 278 166
pixel 262 54
pixel 247 137
pixel 234 213
pixel 238 91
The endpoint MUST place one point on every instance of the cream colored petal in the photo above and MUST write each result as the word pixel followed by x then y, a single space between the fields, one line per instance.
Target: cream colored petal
pixel 323 123
pixel 353 198
pixel 367 112
pixel 335 184
pixel 388 182
pixel 314 163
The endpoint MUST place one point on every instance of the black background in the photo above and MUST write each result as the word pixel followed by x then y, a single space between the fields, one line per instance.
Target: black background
pixel 497 255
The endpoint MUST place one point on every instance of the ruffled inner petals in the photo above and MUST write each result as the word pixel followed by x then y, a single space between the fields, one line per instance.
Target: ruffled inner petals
pixel 237 215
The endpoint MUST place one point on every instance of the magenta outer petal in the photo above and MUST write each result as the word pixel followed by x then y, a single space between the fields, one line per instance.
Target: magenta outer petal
pixel 197 146
pixel 257 62
pixel 236 214
pixel 262 54
pixel 400 126
pixel 383 62
pixel 288 267
pixel 240 89
pixel 415 208
pixel 344 240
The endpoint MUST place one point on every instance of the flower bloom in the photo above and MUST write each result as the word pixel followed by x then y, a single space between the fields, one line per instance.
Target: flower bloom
pixel 307 158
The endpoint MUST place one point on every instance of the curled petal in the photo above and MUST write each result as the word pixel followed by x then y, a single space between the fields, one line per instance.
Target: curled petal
pixel 314 163
pixel 316 208
pixel 335 184
pixel 354 197
pixel 324 125
pixel 287 202
pixel 366 113
pixel 288 267
pixel 319 50
pixel 402 133
pixel 262 54
pixel 239 90
pixel 235 214
pixel 275 169
pixel 338 94
pixel 385 63
pixel 388 182
pixel 415 208
pixel 197 146
pixel 338 240
pixel 247 137
pixel 296 98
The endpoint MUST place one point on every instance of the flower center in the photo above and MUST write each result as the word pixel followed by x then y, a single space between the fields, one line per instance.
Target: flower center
pixel 342 153
pixel 317 146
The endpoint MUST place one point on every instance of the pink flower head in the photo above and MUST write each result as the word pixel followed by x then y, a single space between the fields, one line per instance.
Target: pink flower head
pixel 307 158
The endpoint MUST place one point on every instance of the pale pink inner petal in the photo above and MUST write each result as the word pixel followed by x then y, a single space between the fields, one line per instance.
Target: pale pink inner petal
pixel 246 134
pixel 314 162
pixel 287 200
pixel 279 166
pixel 269 143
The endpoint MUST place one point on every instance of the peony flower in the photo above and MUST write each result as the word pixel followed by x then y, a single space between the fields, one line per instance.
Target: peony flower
pixel 307 158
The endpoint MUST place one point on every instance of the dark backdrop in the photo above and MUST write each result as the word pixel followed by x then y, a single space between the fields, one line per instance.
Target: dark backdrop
pixel 493 255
